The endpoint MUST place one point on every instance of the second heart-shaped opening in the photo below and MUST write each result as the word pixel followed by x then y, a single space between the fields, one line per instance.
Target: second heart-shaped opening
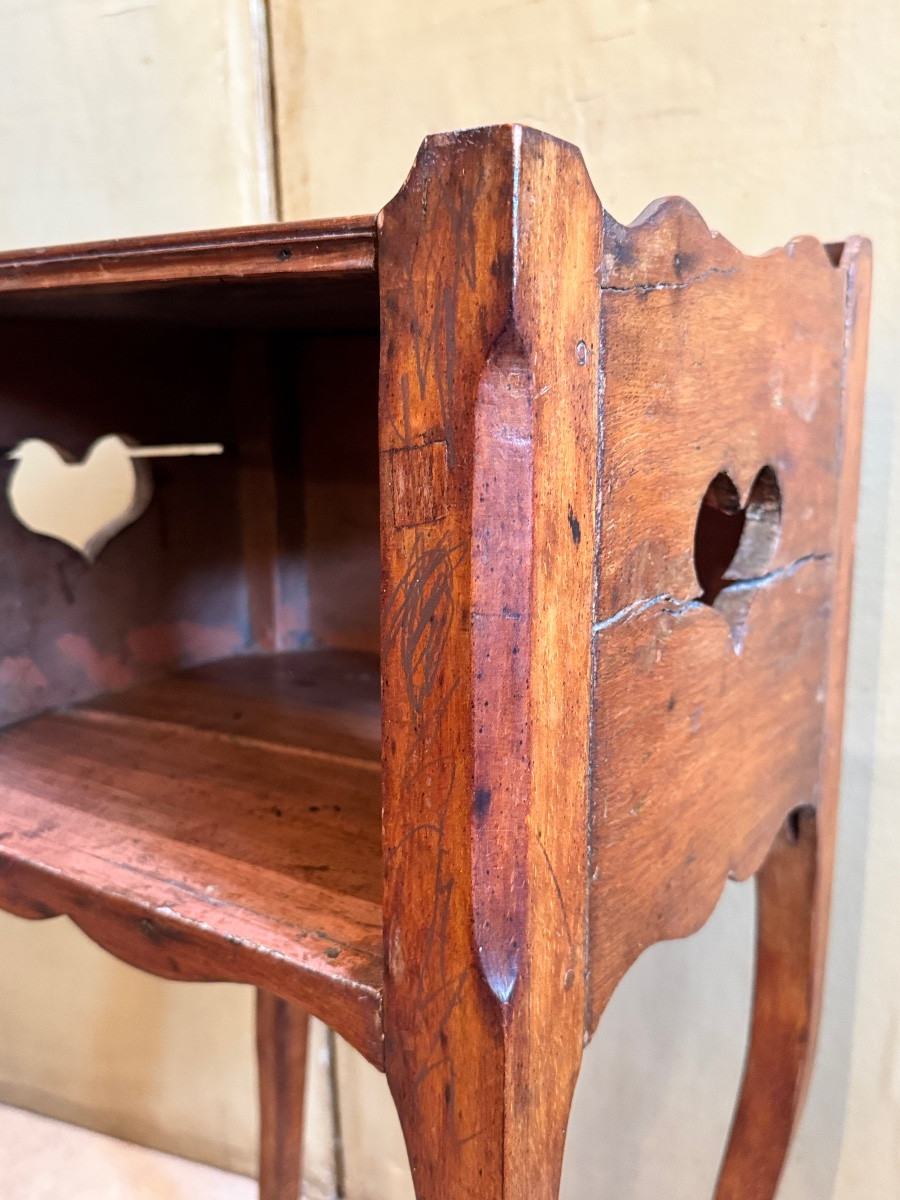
pixel 732 543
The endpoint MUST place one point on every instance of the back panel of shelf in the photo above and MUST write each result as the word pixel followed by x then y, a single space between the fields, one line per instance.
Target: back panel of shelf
pixel 271 546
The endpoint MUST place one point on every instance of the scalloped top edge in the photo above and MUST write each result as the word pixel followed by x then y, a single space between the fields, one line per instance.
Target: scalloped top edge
pixel 671 244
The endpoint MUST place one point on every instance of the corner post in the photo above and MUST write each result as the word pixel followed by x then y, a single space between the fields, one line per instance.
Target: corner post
pixel 488 441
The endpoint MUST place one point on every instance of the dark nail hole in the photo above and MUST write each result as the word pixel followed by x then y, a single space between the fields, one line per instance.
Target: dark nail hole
pixel 793 825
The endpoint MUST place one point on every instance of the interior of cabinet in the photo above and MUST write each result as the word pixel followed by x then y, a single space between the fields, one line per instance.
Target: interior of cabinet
pixel 192 720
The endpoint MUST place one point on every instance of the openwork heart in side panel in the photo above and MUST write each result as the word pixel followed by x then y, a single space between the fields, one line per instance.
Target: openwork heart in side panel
pixel 734 543
pixel 85 504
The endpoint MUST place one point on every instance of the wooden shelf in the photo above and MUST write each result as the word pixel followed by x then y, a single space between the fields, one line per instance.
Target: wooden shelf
pixel 318 273
pixel 530 752
pixel 239 802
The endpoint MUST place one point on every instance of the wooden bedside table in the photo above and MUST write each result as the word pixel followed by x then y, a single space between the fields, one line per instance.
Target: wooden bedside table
pixel 577 499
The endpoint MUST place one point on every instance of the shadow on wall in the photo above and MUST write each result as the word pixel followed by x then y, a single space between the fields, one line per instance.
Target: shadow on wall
pixel 669 1050
pixel 667 1056
pixel 813 1164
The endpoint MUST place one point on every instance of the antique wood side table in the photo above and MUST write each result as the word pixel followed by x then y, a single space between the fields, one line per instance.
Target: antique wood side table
pixel 510 621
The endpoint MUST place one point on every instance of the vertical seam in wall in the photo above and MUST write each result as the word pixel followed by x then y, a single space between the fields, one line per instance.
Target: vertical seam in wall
pixel 261 21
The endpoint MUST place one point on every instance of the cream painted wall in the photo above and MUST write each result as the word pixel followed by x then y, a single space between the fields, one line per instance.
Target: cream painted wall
pixel 774 119
pixel 125 117
pixel 131 116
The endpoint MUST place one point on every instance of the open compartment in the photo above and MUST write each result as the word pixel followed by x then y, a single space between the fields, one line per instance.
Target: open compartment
pixel 191 722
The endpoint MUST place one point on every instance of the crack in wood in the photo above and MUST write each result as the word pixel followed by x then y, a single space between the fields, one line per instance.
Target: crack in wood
pixel 676 607
pixel 675 285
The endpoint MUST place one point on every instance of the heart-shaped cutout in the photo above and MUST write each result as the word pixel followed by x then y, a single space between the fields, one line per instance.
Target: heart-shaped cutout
pixel 734 544
pixel 83 504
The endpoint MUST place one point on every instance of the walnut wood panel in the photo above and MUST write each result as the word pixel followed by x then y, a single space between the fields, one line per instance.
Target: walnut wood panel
pixel 709 717
pixel 306 411
pixel 323 702
pixel 794 884
pixel 309 302
pixel 306 272
pixel 617 470
pixel 270 251
pixel 274 614
pixel 269 544
pixel 724 505
pixel 282 1036
pixel 170 589
pixel 489 445
pixel 203 847
pixel 335 377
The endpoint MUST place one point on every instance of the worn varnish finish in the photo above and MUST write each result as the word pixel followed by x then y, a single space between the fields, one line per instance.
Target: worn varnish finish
pixel 794 884
pixel 715 714
pixel 488 405
pixel 713 724
pixel 219 825
pixel 609 483
pixel 713 363
pixel 282 1036
pixel 314 272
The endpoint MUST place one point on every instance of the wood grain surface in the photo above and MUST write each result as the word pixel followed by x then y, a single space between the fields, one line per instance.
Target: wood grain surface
pixel 715 363
pixel 721 399
pixel 282 1036
pixel 198 836
pixel 344 245
pixel 616 484
pixel 489 433
pixel 316 273
pixel 794 883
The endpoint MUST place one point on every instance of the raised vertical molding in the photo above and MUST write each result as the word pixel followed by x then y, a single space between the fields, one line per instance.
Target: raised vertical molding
pixel 489 366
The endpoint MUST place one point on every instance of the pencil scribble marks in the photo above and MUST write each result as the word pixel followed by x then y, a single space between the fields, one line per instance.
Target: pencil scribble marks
pixel 419 615
pixel 439 316
pixel 440 987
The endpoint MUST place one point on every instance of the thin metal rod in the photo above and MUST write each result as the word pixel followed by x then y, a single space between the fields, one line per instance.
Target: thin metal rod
pixel 175 451
pixel 337 1129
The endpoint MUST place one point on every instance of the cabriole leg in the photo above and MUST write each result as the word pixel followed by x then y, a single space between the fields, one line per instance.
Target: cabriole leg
pixel 483 1125
pixel 793 888
pixel 281 1036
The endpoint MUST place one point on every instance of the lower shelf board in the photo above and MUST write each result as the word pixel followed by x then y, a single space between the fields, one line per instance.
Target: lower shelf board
pixel 222 823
